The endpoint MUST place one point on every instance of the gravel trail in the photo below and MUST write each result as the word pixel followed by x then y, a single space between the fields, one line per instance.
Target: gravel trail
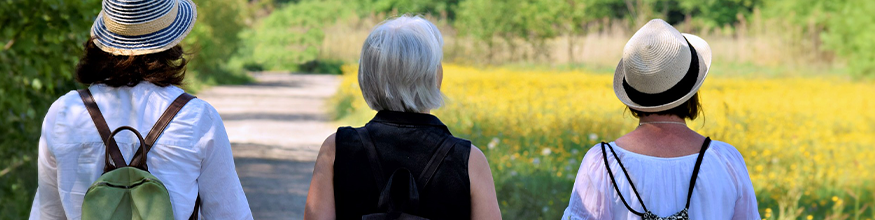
pixel 276 126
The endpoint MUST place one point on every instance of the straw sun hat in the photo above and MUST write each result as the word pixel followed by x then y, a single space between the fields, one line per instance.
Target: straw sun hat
pixel 137 27
pixel 661 68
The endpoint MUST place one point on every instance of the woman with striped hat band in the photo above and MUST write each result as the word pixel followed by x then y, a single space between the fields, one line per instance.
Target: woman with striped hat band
pixel 133 65
pixel 662 169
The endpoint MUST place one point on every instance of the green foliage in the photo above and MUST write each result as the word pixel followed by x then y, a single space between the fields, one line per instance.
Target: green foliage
pixel 322 66
pixel 424 7
pixel 213 41
pixel 291 35
pixel 716 13
pixel 851 35
pixel 843 25
pixel 533 21
pixel 481 26
pixel 38 52
pixel 40 44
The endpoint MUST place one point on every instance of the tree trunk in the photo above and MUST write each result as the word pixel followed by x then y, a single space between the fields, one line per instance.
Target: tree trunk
pixel 570 48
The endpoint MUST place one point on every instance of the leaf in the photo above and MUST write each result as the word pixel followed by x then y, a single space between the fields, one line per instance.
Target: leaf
pixel 36 84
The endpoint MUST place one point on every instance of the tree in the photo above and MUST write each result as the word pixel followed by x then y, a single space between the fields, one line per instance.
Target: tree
pixel 40 42
pixel 444 8
pixel 716 13
pixel 483 20
pixel 213 41
pixel 841 25
pixel 291 35
pixel 576 17
pixel 850 35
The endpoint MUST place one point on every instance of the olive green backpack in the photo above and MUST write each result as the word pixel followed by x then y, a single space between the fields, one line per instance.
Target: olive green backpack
pixel 129 191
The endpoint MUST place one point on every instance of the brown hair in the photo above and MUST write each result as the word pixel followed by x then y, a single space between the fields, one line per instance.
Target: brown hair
pixel 689 110
pixel 99 67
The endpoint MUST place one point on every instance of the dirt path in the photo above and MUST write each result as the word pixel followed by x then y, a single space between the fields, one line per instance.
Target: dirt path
pixel 276 127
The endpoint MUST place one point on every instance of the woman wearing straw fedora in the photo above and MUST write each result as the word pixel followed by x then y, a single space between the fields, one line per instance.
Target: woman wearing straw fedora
pixel 132 66
pixel 662 169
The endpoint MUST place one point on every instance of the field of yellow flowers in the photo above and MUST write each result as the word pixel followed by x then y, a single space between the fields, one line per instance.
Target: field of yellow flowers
pixel 809 143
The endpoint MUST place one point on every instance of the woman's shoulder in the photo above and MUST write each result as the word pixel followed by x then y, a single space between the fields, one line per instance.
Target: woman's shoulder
pixel 593 161
pixel 726 151
pixel 728 157
pixel 346 134
pixel 462 143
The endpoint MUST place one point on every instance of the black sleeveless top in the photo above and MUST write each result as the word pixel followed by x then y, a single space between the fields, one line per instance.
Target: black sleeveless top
pixel 403 140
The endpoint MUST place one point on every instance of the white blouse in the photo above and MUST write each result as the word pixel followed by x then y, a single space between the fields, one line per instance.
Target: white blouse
pixel 723 188
pixel 192 156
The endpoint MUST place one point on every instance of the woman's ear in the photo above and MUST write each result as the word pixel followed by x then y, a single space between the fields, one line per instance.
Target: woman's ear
pixel 440 75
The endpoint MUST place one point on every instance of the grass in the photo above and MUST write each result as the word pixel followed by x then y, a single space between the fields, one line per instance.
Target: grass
pixel 806 138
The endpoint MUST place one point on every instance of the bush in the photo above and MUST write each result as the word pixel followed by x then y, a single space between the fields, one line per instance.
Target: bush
pixel 38 52
pixel 213 41
pixel 322 66
pixel 290 36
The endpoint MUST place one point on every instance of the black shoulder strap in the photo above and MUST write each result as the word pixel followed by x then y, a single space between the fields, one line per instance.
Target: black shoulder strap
pixel 113 156
pixel 197 205
pixel 611 174
pixel 436 159
pixel 374 159
pixel 139 160
pixel 696 169
pixel 427 173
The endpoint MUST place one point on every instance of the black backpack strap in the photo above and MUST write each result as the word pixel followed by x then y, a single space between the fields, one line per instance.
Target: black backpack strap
pixel 400 194
pixel 376 166
pixel 113 155
pixel 611 174
pixel 696 169
pixel 436 159
pixel 197 206
pixel 139 160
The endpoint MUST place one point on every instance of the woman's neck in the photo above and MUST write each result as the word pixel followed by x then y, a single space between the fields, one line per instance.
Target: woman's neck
pixel 649 119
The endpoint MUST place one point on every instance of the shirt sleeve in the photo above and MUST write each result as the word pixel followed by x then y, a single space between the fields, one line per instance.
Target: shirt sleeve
pixel 48 199
pixel 746 206
pixel 219 187
pixel 589 200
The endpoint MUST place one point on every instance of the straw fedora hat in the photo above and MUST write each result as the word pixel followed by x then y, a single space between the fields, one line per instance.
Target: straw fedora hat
pixel 661 68
pixel 137 27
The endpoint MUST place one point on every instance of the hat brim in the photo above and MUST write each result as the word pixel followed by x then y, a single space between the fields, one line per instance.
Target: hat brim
pixel 704 54
pixel 155 42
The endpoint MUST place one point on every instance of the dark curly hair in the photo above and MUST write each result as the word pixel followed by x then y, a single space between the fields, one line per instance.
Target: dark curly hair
pixel 689 110
pixel 99 67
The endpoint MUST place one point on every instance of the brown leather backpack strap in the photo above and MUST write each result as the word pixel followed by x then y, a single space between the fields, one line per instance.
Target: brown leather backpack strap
pixel 435 162
pixel 139 160
pixel 113 156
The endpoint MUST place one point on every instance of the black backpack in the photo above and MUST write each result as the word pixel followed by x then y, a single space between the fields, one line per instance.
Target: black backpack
pixel 400 195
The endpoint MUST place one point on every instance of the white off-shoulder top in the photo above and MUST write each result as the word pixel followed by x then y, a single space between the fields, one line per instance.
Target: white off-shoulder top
pixel 192 157
pixel 723 189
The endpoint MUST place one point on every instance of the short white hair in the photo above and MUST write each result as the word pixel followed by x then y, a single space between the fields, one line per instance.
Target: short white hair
pixel 399 64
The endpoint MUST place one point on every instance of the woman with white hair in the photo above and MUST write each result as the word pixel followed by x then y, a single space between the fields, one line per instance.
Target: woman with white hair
pixel 662 169
pixel 404 162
